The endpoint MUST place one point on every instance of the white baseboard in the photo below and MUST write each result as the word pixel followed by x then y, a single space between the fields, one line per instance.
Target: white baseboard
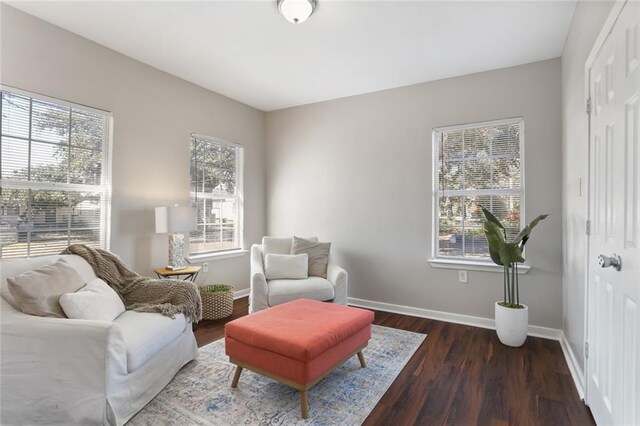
pixel 572 362
pixel 240 293
pixel 534 330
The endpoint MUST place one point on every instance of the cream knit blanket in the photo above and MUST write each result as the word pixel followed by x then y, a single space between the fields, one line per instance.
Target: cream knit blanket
pixel 142 294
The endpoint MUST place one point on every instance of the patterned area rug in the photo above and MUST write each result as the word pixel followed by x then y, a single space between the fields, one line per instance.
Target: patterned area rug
pixel 201 393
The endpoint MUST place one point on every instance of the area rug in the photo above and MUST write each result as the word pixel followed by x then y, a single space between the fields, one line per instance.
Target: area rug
pixel 201 392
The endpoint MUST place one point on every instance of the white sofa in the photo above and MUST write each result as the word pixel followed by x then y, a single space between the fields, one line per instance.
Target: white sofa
pixel 266 293
pixel 67 371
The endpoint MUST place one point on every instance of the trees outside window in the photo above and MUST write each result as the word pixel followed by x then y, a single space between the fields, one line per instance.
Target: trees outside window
pixel 54 170
pixel 479 164
pixel 216 188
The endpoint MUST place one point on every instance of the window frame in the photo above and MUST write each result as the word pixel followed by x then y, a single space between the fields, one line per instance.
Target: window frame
pixel 105 186
pixel 239 197
pixel 473 263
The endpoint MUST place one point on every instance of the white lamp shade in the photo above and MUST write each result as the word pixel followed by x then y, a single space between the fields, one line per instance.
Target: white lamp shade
pixel 296 11
pixel 175 219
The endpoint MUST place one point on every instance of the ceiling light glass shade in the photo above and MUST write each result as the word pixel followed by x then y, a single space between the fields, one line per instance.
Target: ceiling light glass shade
pixel 296 11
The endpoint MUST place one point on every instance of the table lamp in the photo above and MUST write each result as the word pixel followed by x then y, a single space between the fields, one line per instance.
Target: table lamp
pixel 175 220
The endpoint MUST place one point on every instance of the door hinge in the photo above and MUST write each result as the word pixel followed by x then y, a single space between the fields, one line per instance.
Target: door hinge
pixel 586 349
pixel 589 106
pixel 588 227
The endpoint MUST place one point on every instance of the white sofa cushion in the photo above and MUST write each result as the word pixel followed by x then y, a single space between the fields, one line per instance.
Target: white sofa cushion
pixel 286 266
pixel 316 288
pixel 95 301
pixel 146 334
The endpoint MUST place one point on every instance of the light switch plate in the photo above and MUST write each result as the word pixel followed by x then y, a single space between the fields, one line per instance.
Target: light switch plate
pixel 462 276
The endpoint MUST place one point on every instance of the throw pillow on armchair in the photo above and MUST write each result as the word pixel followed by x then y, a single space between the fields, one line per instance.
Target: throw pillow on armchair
pixel 318 255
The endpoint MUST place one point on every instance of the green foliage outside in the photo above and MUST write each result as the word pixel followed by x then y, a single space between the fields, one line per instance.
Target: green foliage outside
pixel 480 158
pixel 477 159
pixel 75 160
pixel 213 168
pixel 48 143
pixel 213 185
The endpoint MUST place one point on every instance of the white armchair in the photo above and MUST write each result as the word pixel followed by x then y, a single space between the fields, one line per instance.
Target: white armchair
pixel 264 294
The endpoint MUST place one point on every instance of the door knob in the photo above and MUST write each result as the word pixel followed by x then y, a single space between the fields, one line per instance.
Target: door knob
pixel 615 261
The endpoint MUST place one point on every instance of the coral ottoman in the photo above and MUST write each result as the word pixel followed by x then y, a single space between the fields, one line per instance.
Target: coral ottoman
pixel 298 343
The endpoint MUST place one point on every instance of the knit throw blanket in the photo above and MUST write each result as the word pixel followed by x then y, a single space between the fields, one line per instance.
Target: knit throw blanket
pixel 142 294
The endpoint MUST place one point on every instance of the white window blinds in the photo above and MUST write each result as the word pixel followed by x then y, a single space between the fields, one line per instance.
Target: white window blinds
pixel 55 183
pixel 216 192
pixel 476 164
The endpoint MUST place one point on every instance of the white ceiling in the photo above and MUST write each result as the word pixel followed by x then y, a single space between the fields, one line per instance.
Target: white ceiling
pixel 247 51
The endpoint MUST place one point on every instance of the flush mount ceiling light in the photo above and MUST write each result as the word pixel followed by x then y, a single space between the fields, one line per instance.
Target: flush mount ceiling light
pixel 297 11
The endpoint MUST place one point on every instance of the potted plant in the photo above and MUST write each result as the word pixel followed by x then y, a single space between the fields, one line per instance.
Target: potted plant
pixel 512 317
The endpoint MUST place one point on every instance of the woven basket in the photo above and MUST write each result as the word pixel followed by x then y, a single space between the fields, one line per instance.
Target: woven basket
pixel 217 304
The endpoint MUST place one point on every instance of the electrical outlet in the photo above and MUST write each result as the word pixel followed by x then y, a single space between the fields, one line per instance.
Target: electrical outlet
pixel 462 276
pixel 205 267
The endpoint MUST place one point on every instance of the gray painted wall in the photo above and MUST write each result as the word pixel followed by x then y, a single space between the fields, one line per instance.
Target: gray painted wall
pixel 357 172
pixel 587 23
pixel 154 113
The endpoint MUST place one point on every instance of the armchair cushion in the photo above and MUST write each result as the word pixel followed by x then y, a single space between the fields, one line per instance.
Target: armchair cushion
pixel 37 292
pixel 318 255
pixel 95 301
pixel 277 266
pixel 316 288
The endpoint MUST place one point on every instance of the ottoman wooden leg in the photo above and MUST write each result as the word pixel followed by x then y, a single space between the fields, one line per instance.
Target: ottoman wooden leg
pixel 361 358
pixel 236 377
pixel 304 405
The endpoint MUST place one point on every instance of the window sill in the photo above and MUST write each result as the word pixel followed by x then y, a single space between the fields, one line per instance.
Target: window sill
pixel 472 265
pixel 216 256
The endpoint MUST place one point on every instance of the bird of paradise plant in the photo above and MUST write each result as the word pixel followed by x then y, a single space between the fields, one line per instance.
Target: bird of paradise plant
pixel 508 254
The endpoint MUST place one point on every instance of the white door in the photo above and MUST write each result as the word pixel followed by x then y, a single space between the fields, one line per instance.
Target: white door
pixel 613 372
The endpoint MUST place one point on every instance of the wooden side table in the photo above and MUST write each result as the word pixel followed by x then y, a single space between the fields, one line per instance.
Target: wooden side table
pixel 189 273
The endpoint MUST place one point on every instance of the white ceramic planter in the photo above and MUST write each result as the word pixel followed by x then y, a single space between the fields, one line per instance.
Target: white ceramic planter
pixel 512 324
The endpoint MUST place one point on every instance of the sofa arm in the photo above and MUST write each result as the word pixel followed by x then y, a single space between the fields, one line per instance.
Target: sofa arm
pixel 338 277
pixel 54 370
pixel 258 296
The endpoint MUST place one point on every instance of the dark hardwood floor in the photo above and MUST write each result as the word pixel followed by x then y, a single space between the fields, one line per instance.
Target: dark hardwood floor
pixel 463 375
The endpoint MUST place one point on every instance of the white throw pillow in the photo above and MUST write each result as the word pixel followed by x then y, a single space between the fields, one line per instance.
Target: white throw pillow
pixel 95 301
pixel 286 266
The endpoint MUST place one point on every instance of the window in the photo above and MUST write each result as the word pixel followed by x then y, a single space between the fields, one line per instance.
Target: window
pixel 55 183
pixel 216 192
pixel 476 164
